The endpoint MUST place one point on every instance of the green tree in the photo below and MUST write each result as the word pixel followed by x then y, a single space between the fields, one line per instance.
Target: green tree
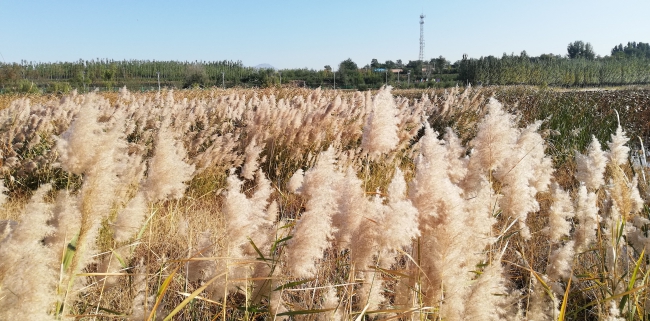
pixel 440 64
pixel 632 49
pixel 196 76
pixel 108 75
pixel 579 49
pixel 349 73
pixel 415 66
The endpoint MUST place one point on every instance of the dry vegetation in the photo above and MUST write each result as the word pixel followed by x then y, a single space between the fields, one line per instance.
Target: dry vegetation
pixel 321 205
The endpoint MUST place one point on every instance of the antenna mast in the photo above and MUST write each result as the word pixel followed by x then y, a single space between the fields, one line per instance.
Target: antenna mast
pixel 421 57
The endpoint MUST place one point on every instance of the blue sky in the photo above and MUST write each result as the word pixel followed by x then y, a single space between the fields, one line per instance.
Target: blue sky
pixel 311 34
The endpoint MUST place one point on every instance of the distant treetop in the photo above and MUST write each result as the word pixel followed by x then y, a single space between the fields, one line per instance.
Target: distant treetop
pixel 632 49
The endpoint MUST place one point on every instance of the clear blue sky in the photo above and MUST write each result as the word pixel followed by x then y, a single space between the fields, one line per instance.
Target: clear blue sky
pixel 299 34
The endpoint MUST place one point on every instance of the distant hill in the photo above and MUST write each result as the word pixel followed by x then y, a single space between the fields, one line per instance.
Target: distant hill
pixel 264 66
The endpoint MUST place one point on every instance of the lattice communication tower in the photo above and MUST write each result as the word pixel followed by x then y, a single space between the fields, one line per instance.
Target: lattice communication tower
pixel 421 57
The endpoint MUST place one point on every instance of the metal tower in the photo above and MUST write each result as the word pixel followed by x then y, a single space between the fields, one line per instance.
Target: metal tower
pixel 421 57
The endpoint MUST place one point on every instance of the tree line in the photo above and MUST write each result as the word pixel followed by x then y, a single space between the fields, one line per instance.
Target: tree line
pixel 85 74
pixel 107 74
pixel 629 64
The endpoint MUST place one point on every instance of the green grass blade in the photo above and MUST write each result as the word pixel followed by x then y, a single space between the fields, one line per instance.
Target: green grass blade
pixel 257 250
pixel 69 252
pixel 564 301
pixel 120 259
pixel 630 285
pixel 292 284
pixel 278 242
pixel 145 225
pixel 161 292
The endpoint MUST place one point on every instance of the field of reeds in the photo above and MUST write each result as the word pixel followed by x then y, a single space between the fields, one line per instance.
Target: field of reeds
pixel 468 204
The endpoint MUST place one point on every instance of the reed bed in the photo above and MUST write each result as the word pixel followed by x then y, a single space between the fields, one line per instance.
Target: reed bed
pixel 306 204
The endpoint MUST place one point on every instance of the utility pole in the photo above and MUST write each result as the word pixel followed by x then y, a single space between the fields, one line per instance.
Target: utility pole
pixel 223 80
pixel 158 72
pixel 409 79
pixel 386 77
pixel 334 79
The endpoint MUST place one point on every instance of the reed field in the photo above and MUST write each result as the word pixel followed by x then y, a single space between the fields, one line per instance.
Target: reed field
pixel 494 203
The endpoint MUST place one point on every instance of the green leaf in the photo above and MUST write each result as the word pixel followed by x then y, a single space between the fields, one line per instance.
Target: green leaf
pixel 292 284
pixel 252 309
pixel 69 252
pixel 161 292
pixel 564 301
pixel 120 259
pixel 112 311
pixel 257 250
pixel 276 243
pixel 630 285
pixel 146 223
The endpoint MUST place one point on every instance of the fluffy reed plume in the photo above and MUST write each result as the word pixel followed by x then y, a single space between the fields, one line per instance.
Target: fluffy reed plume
pixel 544 305
pixel 314 228
pixel 488 299
pixel 28 268
pixel 246 219
pixel 66 220
pixel 591 167
pixel 518 189
pixel 588 218
pixel 364 248
pixel 618 152
pixel 455 157
pixel 94 150
pixel 614 314
pixel 400 221
pixel 332 303
pixel 454 230
pixel 513 157
pixel 380 130
pixel 378 232
pixel 561 263
pixel 252 152
pixel 130 218
pixel 168 170
pixel 245 216
pixel 295 183
pixel 3 191
pixel 493 145
pixel 166 179
pixel 560 213
pixel 78 145
pixel 353 208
